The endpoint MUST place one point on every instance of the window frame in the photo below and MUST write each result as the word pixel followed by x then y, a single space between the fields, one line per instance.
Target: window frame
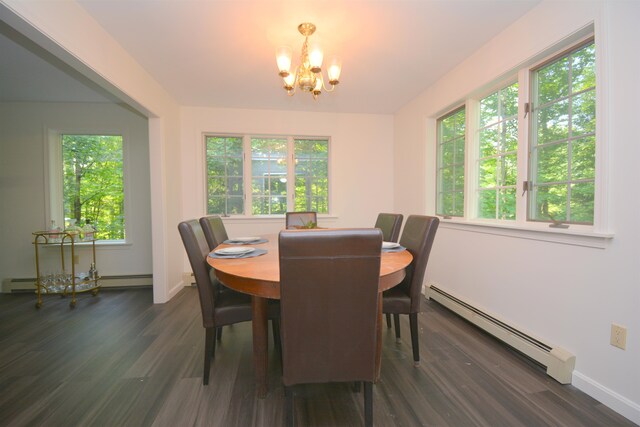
pixel 206 177
pixel 440 167
pixel 247 172
pixel 474 153
pixel 53 177
pixel 533 109
pixel 597 234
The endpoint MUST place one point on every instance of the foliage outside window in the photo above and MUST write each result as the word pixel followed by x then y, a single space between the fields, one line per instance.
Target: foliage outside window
pixel 498 154
pixel 225 182
pixel 450 164
pixel 559 174
pixel 92 183
pixel 269 175
pixel 282 174
pixel 312 175
pixel 563 142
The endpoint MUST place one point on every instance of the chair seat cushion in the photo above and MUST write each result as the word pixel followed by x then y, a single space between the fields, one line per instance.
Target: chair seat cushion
pixel 396 301
pixel 232 307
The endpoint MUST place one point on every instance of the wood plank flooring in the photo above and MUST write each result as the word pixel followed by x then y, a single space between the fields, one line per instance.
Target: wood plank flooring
pixel 119 360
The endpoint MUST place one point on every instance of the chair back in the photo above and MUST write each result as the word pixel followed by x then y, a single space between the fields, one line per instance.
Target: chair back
pixel 301 220
pixel 390 225
pixel 214 230
pixel 329 304
pixel 417 236
pixel 197 249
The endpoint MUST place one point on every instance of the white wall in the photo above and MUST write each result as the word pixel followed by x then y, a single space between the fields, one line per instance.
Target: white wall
pixel 23 139
pixel 361 159
pixel 71 34
pixel 568 295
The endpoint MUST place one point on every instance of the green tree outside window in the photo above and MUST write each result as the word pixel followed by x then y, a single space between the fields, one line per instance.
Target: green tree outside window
pixel 450 165
pixel 562 162
pixel 311 175
pixel 93 185
pixel 497 158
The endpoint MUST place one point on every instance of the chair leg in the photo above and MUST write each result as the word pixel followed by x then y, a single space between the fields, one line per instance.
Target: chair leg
pixel 288 406
pixel 396 323
pixel 219 333
pixel 209 350
pixel 275 326
pixel 388 320
pixel 368 404
pixel 413 323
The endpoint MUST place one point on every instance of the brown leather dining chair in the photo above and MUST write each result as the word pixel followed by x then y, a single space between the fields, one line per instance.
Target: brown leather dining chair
pixel 390 224
pixel 329 305
pixel 301 220
pixel 214 230
pixel 418 236
pixel 218 308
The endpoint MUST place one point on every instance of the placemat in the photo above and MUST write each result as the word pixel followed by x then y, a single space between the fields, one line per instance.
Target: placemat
pixel 252 254
pixel 255 242
pixel 397 249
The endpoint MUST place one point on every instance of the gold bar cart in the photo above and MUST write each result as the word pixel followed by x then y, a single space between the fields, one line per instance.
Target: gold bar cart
pixel 65 283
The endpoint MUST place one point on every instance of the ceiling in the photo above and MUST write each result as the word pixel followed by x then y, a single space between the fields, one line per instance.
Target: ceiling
pixel 221 53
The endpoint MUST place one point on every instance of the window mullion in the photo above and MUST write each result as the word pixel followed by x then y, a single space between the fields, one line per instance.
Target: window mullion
pixel 523 146
pixel 291 170
pixel 54 175
pixel 472 137
pixel 246 170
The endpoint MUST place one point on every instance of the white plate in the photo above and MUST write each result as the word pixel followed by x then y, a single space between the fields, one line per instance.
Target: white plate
pixel 234 251
pixel 390 245
pixel 244 239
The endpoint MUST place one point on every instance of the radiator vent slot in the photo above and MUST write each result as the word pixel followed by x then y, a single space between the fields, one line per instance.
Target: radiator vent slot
pixel 559 362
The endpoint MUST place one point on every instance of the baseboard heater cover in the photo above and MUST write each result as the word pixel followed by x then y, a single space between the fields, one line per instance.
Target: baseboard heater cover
pixel 122 281
pixel 558 361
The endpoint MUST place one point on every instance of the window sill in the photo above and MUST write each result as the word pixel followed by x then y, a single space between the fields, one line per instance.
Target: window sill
pixel 541 232
pixel 270 218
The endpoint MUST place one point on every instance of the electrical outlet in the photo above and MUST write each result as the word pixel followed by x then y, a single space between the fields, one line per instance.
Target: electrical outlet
pixel 618 336
pixel 76 259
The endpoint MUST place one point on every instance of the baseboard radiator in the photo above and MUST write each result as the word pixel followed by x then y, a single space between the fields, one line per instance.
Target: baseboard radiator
pixel 559 362
pixel 124 281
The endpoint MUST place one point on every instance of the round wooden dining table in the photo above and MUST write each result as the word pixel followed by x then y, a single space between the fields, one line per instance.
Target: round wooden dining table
pixel 260 277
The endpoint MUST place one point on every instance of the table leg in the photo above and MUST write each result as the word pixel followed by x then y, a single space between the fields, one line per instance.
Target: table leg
pixel 378 338
pixel 260 343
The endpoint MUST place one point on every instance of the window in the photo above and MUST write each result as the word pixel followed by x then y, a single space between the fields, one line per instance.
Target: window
pixel 563 141
pixel 312 175
pixel 497 162
pixel 269 175
pixel 284 174
pixel 554 133
pixel 87 184
pixel 450 178
pixel 225 182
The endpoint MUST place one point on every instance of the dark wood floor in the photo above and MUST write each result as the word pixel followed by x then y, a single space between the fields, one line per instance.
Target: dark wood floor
pixel 119 360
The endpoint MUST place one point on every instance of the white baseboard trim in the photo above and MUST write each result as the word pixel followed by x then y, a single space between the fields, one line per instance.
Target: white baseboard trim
pixel 604 395
pixel 558 361
pixel 610 398
pixel 177 288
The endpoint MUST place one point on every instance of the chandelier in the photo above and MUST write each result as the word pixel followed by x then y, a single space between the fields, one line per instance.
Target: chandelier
pixel 308 75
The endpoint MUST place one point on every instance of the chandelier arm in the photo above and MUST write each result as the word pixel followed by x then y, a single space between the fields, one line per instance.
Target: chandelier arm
pixel 324 85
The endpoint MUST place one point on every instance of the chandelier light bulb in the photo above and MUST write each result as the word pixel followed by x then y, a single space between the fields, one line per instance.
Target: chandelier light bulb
pixel 335 67
pixel 315 58
pixel 289 81
pixel 283 58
